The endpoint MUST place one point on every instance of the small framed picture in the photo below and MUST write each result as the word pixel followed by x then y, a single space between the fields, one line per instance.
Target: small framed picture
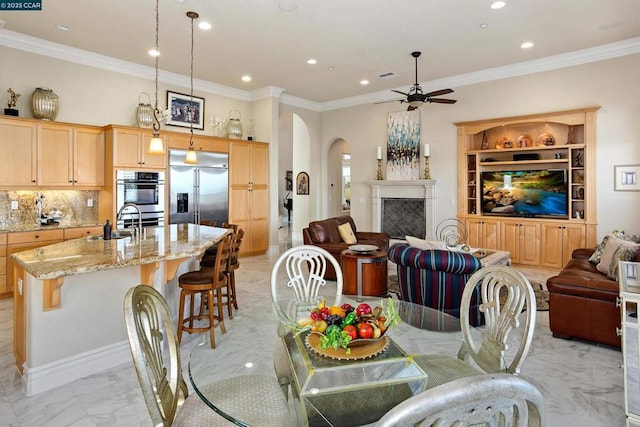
pixel 626 178
pixel 302 183
pixel 183 111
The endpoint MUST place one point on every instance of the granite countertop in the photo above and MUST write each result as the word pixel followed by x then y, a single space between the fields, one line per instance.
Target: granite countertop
pixel 85 255
pixel 34 227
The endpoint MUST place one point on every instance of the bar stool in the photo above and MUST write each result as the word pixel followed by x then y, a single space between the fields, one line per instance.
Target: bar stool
pixel 211 252
pixel 205 282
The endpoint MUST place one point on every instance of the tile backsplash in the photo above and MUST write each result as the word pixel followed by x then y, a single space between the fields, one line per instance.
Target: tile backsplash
pixel 71 203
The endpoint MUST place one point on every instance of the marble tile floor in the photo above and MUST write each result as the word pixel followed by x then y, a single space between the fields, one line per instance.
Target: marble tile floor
pixel 582 382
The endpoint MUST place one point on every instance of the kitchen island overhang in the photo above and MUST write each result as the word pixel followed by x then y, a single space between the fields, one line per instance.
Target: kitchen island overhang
pixel 68 320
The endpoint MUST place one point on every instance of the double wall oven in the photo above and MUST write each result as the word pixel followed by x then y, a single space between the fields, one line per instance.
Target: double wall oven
pixel 145 189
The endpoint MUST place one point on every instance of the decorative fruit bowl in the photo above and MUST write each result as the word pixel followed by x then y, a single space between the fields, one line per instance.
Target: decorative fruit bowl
pixel 337 331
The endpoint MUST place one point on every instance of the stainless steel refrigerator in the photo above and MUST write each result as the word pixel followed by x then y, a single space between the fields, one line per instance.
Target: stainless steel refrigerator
pixel 198 192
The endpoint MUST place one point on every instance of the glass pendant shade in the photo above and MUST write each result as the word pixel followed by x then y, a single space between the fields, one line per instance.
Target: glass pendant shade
pixel 156 146
pixel 191 158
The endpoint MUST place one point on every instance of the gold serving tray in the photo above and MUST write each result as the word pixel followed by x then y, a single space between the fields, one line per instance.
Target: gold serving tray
pixel 358 349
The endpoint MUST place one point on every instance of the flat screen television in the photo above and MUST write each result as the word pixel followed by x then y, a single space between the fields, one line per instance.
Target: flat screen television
pixel 530 193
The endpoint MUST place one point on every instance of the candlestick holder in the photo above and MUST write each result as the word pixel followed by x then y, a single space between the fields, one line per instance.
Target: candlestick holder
pixel 379 176
pixel 427 174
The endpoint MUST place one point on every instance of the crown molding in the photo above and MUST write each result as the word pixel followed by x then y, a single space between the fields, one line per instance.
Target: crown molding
pixel 578 57
pixel 43 47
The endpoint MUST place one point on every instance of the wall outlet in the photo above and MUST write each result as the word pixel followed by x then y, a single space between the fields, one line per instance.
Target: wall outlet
pixel 90 203
pixel 14 205
pixel 453 203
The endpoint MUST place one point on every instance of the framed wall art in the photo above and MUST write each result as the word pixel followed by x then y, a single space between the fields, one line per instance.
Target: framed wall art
pixel 302 183
pixel 626 178
pixel 403 145
pixel 183 112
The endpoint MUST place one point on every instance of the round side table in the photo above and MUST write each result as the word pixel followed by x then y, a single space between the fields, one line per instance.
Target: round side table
pixel 364 274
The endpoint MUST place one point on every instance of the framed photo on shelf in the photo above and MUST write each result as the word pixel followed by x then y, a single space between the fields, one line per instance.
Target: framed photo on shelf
pixel 626 178
pixel 183 112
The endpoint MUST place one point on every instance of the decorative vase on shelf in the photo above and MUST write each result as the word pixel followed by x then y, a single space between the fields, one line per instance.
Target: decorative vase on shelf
pixel 45 104
pixel 144 114
pixel 234 127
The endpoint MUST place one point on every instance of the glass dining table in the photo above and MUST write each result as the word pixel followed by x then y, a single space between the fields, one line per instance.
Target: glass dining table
pixel 358 389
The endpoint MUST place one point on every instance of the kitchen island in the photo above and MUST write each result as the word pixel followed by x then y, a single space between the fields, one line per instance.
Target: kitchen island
pixel 68 320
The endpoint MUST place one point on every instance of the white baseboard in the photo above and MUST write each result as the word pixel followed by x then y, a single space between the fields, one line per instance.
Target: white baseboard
pixel 63 371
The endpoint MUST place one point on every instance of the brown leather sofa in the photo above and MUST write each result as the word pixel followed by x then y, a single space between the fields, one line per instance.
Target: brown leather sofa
pixel 325 234
pixel 582 301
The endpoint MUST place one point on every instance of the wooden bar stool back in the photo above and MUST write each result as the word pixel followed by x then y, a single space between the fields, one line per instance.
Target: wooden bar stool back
pixel 206 283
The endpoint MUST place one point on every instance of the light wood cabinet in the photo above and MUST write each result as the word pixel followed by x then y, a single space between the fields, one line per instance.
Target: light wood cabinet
pixel 129 148
pixel 248 193
pixel 70 156
pixel 522 143
pixel 18 153
pixel 79 232
pixel 483 233
pixel 36 153
pixel 559 240
pixel 522 239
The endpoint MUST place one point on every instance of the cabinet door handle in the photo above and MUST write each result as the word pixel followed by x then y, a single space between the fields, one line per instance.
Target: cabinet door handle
pixel 618 332
pixel 33 180
pixel 618 302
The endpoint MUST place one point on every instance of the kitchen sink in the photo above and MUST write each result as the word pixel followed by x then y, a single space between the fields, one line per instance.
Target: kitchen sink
pixel 115 235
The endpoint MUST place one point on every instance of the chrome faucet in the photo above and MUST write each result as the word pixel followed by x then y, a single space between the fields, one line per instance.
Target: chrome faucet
pixel 136 207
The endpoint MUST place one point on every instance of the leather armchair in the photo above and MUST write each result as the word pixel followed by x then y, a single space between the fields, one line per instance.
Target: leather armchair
pixel 325 234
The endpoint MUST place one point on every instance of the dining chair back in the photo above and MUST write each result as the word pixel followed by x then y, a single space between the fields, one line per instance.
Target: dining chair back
pixel 489 399
pixel 305 268
pixel 156 358
pixel 505 292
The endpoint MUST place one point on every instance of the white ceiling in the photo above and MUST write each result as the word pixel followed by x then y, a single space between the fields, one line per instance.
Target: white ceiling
pixel 360 38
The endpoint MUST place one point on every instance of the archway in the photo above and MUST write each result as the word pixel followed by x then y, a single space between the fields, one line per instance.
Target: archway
pixel 339 178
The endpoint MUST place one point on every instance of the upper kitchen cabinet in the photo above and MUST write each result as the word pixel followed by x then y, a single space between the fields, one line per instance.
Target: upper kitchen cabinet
pixel 249 193
pixel 128 148
pixel 50 154
pixel 71 156
pixel 18 149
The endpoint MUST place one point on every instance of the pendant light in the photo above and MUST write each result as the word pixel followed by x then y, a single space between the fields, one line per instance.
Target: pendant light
pixel 156 146
pixel 191 158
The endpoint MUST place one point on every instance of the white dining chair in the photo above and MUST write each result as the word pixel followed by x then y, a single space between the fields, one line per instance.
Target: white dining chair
pixel 305 268
pixel 486 349
pixel 489 399
pixel 256 399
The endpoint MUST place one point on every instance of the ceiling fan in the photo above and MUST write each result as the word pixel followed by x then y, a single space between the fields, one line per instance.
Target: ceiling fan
pixel 415 97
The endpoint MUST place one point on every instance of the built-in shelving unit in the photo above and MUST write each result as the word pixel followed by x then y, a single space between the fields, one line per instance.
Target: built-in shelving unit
pixel 560 140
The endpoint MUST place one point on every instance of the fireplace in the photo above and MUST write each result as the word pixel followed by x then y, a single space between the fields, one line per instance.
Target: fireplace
pixel 404 207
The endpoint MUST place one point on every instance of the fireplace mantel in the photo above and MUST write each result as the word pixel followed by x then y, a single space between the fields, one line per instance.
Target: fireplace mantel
pixel 416 189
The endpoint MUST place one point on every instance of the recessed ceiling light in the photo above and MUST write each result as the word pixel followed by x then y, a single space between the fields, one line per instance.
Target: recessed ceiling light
pixel 287 6
pixel 331 68
pixel 154 53
pixel 248 365
pixel 526 45
pixel 484 25
pixel 63 27
pixel 312 61
pixel 364 82
pixel 204 25
pixel 246 78
pixel 498 5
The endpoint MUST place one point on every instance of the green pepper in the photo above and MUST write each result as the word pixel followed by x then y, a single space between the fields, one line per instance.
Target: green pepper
pixel 349 319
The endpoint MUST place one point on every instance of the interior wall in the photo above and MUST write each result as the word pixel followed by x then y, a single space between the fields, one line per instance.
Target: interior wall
pixel 611 84
pixel 302 161
pixel 285 163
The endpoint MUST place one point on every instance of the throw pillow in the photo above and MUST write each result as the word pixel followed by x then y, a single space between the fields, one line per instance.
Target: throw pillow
pixel 346 233
pixel 425 245
pixel 615 250
pixel 597 255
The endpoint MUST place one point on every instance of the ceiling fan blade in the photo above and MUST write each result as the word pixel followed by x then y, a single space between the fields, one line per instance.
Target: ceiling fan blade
pixel 442 100
pixel 440 92
pixel 401 93
pixel 391 100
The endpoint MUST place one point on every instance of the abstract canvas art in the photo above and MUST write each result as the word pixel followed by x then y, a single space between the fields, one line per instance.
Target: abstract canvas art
pixel 403 146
